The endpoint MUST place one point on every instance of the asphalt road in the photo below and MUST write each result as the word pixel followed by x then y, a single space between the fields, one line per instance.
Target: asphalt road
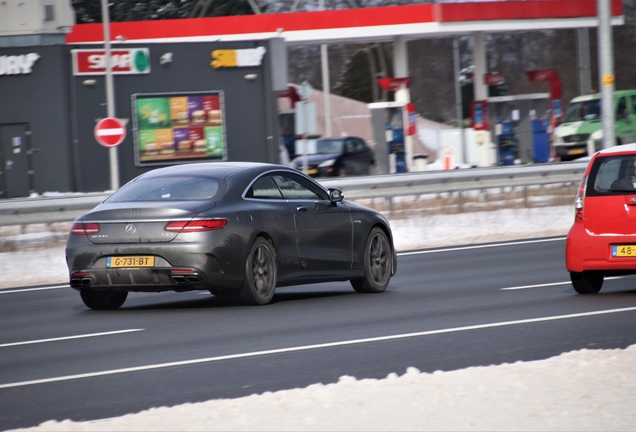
pixel 445 309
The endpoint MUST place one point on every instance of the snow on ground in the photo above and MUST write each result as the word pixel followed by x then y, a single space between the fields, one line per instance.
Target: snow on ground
pixel 581 390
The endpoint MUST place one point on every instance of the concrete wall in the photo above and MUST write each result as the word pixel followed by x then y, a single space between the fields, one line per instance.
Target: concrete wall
pixel 40 99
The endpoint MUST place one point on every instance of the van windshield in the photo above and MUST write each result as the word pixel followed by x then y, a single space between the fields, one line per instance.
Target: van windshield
pixel 584 110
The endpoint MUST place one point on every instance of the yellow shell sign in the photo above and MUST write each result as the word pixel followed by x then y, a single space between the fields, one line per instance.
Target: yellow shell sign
pixel 237 57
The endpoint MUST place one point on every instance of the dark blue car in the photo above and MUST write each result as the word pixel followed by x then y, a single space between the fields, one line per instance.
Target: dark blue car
pixel 337 157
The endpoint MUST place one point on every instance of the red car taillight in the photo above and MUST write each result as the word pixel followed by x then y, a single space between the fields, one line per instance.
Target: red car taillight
pixel 580 196
pixel 195 225
pixel 81 228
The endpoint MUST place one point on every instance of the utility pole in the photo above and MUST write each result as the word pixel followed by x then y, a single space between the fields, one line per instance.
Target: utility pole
pixel 110 96
pixel 326 86
pixel 458 98
pixel 606 72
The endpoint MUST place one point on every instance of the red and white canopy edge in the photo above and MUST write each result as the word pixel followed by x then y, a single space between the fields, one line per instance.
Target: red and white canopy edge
pixel 360 25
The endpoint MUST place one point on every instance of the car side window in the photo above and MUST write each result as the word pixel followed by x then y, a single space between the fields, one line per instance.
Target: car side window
pixel 633 104
pixel 350 146
pixel 264 188
pixel 294 186
pixel 360 145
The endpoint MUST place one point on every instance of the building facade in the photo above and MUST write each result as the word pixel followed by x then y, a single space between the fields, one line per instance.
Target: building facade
pixel 183 103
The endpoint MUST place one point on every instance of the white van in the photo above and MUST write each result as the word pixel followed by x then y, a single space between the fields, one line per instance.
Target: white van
pixel 583 122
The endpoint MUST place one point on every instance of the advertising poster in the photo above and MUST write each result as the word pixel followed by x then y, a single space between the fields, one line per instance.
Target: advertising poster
pixel 174 128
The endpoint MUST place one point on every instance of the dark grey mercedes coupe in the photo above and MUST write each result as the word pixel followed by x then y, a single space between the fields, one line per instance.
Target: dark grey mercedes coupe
pixel 237 229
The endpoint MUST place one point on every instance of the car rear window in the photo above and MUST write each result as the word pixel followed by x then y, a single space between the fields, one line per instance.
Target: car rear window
pixel 168 188
pixel 612 175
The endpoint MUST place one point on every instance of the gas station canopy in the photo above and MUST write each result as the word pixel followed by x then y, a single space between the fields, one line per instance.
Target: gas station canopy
pixel 374 24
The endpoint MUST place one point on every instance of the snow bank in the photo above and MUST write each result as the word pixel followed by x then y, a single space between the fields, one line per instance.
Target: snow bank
pixel 581 390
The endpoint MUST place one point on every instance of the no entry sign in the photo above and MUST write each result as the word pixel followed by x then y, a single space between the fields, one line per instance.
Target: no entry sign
pixel 110 132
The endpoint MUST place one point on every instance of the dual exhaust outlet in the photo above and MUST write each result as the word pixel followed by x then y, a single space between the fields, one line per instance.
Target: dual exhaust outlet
pixel 178 277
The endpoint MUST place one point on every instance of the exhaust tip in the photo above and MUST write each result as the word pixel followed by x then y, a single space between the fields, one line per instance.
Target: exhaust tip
pixel 81 279
pixel 179 280
pixel 193 280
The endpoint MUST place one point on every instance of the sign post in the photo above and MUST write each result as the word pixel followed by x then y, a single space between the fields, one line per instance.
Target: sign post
pixel 110 97
pixel 606 71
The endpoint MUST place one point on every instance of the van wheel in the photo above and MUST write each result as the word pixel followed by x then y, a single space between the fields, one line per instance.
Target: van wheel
pixel 587 282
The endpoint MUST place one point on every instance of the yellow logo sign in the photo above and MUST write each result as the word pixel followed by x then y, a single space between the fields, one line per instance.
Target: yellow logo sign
pixel 237 57
pixel 223 58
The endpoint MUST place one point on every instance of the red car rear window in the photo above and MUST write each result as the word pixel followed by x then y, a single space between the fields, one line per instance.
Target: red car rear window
pixel 612 175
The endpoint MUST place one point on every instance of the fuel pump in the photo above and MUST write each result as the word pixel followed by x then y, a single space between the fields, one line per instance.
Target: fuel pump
pixel 393 130
pixel 507 144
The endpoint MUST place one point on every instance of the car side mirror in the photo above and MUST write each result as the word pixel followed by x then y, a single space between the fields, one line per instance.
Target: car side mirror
pixel 335 195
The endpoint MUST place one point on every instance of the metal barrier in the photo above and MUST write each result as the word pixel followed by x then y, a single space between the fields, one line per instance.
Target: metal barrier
pixel 22 211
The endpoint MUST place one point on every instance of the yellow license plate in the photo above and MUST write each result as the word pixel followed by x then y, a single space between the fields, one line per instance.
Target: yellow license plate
pixel 577 151
pixel 130 261
pixel 312 171
pixel 624 251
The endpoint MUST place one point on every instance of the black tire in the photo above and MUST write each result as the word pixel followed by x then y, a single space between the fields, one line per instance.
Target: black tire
pixel 103 300
pixel 587 282
pixel 259 281
pixel 378 259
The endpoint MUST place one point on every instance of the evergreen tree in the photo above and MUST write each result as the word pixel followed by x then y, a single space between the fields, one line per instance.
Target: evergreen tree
pixel 89 11
pixel 355 82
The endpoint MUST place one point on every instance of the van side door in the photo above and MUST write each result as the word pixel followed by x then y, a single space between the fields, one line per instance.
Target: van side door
pixel 625 120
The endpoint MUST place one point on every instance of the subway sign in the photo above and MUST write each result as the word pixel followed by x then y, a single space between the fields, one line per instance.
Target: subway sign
pixel 18 64
pixel 132 61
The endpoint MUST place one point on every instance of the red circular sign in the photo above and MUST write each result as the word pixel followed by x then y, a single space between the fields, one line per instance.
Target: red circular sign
pixel 110 132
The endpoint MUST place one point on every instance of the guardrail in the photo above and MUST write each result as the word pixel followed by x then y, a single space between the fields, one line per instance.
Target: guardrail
pixel 458 181
pixel 23 211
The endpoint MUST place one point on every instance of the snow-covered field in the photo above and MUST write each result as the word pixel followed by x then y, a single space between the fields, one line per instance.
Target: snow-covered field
pixel 582 390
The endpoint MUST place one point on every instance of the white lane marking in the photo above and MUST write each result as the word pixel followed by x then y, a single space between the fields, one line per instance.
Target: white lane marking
pixel 33 289
pixel 549 284
pixel 535 286
pixel 310 347
pixel 70 337
pixel 481 246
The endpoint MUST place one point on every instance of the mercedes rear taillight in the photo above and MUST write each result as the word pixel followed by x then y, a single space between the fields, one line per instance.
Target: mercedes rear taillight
pixel 580 197
pixel 195 225
pixel 80 228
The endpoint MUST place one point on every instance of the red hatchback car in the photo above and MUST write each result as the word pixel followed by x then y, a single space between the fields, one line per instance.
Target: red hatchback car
pixel 602 241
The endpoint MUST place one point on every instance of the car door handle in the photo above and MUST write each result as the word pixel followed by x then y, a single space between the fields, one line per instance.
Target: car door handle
pixel 301 209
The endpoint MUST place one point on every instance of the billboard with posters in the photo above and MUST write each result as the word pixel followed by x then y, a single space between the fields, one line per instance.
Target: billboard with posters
pixel 178 127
